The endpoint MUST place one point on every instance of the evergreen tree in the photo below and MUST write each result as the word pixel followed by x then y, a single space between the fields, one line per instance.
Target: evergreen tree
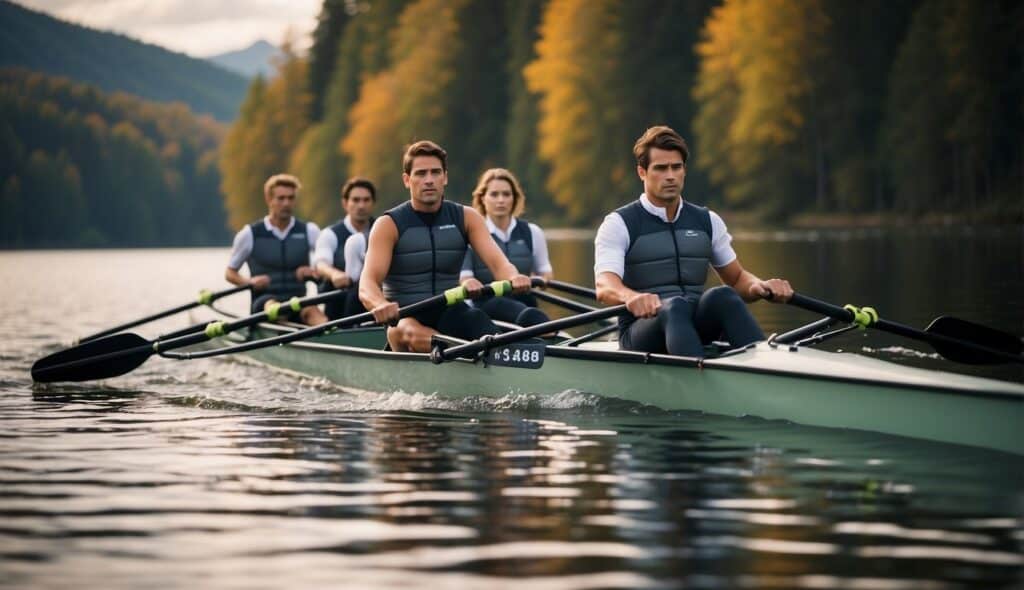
pixel 764 70
pixel 524 110
pixel 584 130
pixel 362 51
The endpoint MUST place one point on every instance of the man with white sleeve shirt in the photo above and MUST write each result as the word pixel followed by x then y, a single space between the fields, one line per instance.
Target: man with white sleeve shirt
pixel 358 197
pixel 277 250
pixel 653 255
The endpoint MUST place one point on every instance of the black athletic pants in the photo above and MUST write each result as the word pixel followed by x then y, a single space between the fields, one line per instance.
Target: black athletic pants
pixel 682 327
pixel 520 309
pixel 459 320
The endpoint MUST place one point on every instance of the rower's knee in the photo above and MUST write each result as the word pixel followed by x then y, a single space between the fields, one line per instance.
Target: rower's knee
pixel 412 336
pixel 395 339
pixel 676 307
pixel 531 316
pixel 722 297
pixel 312 316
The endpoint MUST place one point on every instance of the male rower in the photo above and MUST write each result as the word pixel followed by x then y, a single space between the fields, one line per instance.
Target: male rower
pixel 276 249
pixel 416 251
pixel 653 255
pixel 358 198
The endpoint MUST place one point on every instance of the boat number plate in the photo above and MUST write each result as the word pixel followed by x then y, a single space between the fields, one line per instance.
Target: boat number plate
pixel 523 355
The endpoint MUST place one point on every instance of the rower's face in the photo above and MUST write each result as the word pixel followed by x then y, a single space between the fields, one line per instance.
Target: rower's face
pixel 359 204
pixel 664 176
pixel 426 180
pixel 498 199
pixel 281 202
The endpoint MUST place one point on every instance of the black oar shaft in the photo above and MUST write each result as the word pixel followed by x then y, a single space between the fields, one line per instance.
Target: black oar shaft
pixel 563 302
pixel 203 300
pixel 572 289
pixel 43 372
pixel 846 315
pixel 488 342
pixel 406 311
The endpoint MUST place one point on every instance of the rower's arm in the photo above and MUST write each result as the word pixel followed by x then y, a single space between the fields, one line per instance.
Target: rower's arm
pixel 241 248
pixel 234 277
pixel 326 247
pixel 484 246
pixel 381 244
pixel 751 288
pixel 611 290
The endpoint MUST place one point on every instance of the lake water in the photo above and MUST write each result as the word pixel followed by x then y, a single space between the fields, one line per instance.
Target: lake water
pixel 224 473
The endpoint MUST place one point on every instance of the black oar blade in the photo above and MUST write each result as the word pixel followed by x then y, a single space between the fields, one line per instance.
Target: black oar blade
pixel 976 334
pixel 97 359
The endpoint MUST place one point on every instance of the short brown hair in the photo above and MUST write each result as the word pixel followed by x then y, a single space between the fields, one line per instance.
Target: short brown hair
pixel 661 137
pixel 518 198
pixel 280 180
pixel 357 182
pixel 424 147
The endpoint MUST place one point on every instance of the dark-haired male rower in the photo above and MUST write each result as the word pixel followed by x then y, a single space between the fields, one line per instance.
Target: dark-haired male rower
pixel 653 255
pixel 416 251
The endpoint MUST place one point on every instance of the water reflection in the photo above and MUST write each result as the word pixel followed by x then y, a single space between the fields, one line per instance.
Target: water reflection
pixel 224 474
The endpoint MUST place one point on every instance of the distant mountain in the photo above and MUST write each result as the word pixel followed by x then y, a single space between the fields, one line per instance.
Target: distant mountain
pixel 252 61
pixel 82 167
pixel 33 40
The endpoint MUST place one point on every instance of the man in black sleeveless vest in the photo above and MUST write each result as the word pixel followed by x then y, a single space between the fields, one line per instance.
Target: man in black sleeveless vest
pixel 653 255
pixel 358 197
pixel 416 251
pixel 276 249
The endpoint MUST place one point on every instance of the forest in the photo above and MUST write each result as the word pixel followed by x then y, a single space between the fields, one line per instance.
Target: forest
pixel 906 109
pixel 80 167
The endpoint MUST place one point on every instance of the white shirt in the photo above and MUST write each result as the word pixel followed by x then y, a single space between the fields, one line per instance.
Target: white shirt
pixel 241 248
pixel 355 255
pixel 327 243
pixel 541 262
pixel 612 240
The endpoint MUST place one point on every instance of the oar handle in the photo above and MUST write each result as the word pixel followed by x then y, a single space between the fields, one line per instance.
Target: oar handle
pixel 211 330
pixel 205 297
pixel 493 341
pixel 449 297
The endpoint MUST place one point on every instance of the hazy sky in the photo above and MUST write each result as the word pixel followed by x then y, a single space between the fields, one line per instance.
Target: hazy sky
pixel 197 27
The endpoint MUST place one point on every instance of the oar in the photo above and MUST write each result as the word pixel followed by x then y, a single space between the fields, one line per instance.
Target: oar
pixel 449 297
pixel 572 289
pixel 955 339
pixel 206 297
pixel 472 348
pixel 120 353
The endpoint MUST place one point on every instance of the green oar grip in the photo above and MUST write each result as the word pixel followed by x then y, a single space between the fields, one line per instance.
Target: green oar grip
pixel 862 316
pixel 455 295
pixel 205 297
pixel 458 294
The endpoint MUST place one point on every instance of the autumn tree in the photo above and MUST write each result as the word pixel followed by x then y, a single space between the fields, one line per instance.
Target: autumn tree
pixel 584 131
pixel 760 127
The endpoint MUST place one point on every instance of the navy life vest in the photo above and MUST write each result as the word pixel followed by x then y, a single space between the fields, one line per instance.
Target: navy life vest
pixel 426 259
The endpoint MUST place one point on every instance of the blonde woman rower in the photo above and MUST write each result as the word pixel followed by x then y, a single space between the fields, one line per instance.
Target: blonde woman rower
pixel 500 199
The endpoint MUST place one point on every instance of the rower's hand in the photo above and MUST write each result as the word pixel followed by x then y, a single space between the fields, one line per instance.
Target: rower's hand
pixel 473 287
pixel 644 305
pixel 779 289
pixel 385 313
pixel 305 272
pixel 521 283
pixel 260 282
pixel 340 280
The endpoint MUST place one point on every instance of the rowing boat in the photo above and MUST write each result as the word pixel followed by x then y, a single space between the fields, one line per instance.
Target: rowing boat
pixel 797 383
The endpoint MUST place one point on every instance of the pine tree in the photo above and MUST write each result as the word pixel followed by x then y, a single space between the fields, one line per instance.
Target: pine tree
pixel 584 133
